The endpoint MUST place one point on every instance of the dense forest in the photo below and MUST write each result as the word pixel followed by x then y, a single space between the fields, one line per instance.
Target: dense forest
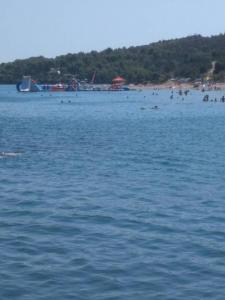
pixel 189 57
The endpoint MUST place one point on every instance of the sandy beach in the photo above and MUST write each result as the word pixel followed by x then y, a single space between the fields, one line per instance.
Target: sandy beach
pixel 179 86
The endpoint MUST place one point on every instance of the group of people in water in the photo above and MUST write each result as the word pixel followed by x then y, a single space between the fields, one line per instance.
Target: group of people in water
pixel 173 94
pixel 206 99
pixel 180 93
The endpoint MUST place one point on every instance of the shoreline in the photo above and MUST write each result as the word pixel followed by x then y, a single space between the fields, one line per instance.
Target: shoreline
pixel 179 86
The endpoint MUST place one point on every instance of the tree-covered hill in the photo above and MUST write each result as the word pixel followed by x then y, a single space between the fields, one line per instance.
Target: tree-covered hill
pixel 189 57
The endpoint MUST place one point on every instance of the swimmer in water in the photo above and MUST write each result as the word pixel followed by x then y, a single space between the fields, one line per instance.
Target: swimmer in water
pixel 12 154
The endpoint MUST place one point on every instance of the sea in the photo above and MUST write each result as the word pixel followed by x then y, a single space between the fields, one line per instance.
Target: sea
pixel 112 195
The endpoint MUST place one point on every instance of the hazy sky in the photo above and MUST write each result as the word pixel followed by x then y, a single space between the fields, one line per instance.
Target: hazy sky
pixel 54 27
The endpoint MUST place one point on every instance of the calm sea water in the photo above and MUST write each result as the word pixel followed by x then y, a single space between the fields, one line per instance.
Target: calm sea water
pixel 107 198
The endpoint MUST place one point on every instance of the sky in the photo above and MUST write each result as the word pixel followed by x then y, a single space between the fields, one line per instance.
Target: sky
pixel 55 27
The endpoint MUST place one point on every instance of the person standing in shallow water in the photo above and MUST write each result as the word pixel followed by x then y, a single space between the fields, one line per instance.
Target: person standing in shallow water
pixel 206 98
